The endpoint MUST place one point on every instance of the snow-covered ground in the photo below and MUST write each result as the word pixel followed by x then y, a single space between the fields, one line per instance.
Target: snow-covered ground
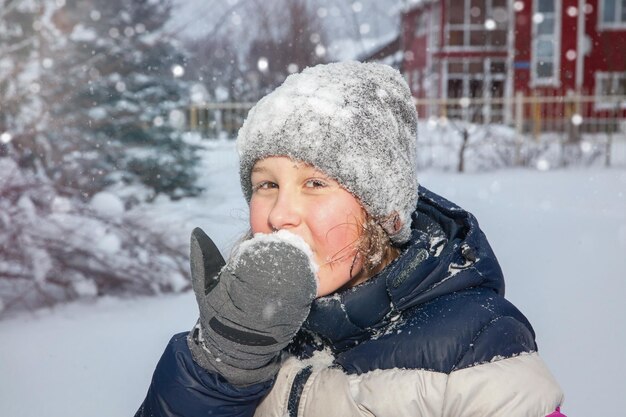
pixel 560 237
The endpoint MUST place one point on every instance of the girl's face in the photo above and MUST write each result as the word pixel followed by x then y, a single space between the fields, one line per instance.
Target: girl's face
pixel 301 199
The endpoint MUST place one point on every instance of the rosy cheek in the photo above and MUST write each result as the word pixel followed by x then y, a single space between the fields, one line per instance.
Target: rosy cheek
pixel 336 228
pixel 340 241
pixel 259 217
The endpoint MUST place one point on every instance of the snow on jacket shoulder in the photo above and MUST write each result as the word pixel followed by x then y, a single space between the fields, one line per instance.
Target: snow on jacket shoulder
pixel 431 335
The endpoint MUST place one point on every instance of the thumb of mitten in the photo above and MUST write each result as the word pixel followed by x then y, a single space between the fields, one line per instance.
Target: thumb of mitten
pixel 206 263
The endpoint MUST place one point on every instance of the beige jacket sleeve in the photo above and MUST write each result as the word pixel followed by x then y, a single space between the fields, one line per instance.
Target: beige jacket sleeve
pixel 519 386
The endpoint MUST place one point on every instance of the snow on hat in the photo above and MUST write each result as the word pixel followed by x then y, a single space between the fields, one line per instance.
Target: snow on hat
pixel 356 122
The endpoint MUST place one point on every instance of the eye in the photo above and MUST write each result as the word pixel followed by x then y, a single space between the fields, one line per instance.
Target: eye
pixel 264 185
pixel 315 183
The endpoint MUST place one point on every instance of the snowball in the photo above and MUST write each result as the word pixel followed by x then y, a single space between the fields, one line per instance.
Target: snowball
pixel 41 264
pixel 110 244
pixel 61 204
pixel 28 207
pixel 85 288
pixel 177 282
pixel 107 203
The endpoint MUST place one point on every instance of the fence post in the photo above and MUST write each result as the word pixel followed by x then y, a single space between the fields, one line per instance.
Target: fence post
pixel 609 134
pixel 573 116
pixel 519 126
pixel 193 117
pixel 536 115
pixel 218 121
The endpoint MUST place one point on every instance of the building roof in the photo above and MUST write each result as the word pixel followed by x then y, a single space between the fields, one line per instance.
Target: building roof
pixel 382 51
pixel 410 5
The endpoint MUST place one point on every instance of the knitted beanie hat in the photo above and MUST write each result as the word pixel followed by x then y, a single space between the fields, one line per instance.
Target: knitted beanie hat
pixel 356 122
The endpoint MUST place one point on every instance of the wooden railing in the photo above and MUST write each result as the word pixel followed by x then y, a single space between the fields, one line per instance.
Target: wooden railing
pixel 534 114
pixel 528 115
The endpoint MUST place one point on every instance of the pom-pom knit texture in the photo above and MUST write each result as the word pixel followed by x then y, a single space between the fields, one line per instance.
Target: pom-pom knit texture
pixel 355 122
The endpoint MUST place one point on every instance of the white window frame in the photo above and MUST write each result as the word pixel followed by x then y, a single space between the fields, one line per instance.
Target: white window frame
pixel 554 80
pixel 602 25
pixel 415 82
pixel 466 27
pixel 434 39
pixel 488 112
pixel 421 24
pixel 431 79
pixel 611 77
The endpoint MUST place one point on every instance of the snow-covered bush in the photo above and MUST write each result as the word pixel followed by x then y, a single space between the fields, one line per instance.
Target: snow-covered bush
pixel 488 147
pixel 55 248
pixel 440 145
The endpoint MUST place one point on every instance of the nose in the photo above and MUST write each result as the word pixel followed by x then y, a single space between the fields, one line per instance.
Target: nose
pixel 285 213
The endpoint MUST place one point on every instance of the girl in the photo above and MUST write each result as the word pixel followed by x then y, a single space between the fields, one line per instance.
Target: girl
pixel 358 293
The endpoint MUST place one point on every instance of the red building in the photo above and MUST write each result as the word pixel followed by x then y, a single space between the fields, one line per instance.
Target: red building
pixel 491 51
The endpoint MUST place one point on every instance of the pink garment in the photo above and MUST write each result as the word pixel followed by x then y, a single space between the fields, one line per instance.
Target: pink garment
pixel 557 413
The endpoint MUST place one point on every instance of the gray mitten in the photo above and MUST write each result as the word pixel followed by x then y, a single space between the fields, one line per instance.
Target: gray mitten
pixel 252 308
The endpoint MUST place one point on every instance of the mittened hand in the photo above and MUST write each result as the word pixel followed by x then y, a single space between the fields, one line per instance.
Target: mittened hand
pixel 252 307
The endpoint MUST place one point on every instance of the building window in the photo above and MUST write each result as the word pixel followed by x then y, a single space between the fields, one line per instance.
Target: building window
pixel 415 82
pixel 476 79
pixel 431 81
pixel 434 38
pixel 545 45
pixel 610 84
pixel 612 14
pixel 421 24
pixel 476 24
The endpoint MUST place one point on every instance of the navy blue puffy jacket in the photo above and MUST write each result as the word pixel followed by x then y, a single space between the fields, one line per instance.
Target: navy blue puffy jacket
pixel 423 311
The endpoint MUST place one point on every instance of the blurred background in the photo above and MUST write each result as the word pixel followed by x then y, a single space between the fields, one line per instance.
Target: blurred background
pixel 117 127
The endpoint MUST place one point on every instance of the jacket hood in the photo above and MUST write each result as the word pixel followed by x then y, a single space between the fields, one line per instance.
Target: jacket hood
pixel 447 252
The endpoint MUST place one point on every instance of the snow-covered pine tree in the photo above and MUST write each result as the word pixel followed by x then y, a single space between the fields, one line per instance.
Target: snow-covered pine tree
pixel 19 105
pixel 109 78
pixel 54 246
